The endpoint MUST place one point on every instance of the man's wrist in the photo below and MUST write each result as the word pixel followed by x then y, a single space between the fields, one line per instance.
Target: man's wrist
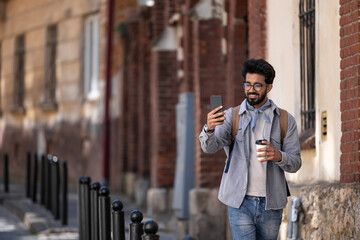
pixel 207 130
pixel 281 157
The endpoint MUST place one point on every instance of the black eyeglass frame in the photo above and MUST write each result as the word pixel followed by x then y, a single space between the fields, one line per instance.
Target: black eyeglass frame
pixel 260 86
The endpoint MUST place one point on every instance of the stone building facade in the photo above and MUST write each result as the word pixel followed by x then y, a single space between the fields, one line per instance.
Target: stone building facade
pixel 50 96
pixel 166 59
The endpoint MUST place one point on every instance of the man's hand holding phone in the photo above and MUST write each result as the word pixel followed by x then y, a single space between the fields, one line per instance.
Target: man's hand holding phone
pixel 215 118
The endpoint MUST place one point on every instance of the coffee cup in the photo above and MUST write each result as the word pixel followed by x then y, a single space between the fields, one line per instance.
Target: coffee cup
pixel 259 144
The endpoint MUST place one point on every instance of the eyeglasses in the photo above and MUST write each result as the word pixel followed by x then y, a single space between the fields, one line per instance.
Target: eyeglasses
pixel 257 86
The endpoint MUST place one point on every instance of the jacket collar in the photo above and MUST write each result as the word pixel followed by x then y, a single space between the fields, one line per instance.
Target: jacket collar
pixel 274 108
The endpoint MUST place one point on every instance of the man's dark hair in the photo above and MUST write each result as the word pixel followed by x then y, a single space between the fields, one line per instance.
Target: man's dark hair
pixel 259 66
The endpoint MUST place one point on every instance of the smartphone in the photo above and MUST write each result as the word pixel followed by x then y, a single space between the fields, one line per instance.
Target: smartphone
pixel 216 101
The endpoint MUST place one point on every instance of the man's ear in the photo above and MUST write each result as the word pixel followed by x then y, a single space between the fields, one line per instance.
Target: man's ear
pixel 269 87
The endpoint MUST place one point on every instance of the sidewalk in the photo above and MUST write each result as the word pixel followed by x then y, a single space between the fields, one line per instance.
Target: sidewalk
pixel 40 221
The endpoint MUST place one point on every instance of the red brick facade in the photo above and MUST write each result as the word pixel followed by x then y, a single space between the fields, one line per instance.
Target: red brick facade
pixel 257 28
pixel 151 85
pixel 350 90
pixel 164 96
pixel 210 79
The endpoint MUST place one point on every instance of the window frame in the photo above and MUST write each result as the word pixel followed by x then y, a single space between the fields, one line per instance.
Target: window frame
pixel 50 80
pixel 307 72
pixel 19 75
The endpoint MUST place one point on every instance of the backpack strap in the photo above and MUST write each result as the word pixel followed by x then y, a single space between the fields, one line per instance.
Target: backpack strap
pixel 283 129
pixel 283 123
pixel 235 121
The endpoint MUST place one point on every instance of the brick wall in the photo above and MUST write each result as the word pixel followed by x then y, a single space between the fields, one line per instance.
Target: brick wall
pixel 350 90
pixel 164 96
pixel 151 86
pixel 144 96
pixel 186 82
pixel 118 138
pixel 158 17
pixel 133 85
pixel 210 75
pixel 149 94
pixel 257 28
pixel 236 50
pixel 124 159
pixel 217 73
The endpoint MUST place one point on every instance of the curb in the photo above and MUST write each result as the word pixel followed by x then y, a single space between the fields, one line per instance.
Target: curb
pixel 40 221
pixel 34 217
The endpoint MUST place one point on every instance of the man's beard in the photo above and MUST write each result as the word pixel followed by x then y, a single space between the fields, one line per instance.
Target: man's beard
pixel 254 102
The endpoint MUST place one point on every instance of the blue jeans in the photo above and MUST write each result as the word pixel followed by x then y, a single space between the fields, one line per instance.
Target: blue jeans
pixel 252 221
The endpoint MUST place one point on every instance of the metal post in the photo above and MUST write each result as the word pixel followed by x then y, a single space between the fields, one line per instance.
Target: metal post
pixel 150 229
pixel 84 208
pixel 136 227
pixel 35 177
pixel 118 221
pixel 6 173
pixel 94 213
pixel 48 182
pixel 28 174
pixel 42 180
pixel 55 188
pixel 64 179
pixel 106 122
pixel 104 214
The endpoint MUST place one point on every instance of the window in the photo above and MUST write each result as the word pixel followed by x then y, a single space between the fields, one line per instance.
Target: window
pixel 91 57
pixel 307 61
pixel 49 100
pixel 19 74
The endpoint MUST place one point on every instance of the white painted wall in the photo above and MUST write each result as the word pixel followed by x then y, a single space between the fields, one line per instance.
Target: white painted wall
pixel 322 163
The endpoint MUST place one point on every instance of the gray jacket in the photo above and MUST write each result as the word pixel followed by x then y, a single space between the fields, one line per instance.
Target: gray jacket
pixel 234 182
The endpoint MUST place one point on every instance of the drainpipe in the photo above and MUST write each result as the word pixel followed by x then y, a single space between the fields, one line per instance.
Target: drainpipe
pixel 106 129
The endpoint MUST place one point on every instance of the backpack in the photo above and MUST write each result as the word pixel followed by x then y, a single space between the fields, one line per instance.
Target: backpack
pixel 236 118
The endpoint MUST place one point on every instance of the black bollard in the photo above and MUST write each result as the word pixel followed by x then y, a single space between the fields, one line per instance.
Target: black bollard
pixel 64 200
pixel 136 227
pixel 42 180
pixel 28 174
pixel 35 177
pixel 104 214
pixel 118 221
pixel 94 213
pixel 48 182
pixel 55 187
pixel 84 208
pixel 6 173
pixel 150 229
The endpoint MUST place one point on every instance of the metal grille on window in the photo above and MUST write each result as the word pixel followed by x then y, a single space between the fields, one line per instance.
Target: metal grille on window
pixel 19 73
pixel 50 66
pixel 307 61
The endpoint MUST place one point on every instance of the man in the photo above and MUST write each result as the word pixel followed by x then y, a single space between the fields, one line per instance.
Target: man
pixel 255 191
